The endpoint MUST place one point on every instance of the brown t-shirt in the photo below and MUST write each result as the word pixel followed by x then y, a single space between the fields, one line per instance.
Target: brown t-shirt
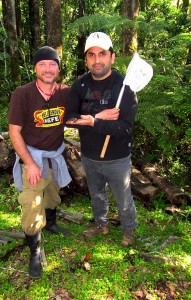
pixel 41 121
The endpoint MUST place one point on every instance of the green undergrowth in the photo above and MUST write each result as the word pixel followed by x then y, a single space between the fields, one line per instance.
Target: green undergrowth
pixel 99 269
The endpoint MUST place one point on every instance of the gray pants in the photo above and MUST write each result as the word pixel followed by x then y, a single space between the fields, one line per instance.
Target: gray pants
pixel 115 173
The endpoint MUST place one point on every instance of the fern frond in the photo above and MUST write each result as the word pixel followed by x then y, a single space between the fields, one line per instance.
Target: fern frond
pixel 105 22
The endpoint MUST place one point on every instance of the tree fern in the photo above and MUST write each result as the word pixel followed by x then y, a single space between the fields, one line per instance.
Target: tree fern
pixel 104 22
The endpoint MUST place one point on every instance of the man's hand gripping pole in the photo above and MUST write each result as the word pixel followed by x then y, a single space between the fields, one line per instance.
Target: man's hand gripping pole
pixel 138 75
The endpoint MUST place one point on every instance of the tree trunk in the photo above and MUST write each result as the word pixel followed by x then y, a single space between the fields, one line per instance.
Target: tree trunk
pixel 173 194
pixel 9 18
pixel 72 157
pixel 53 24
pixel 34 20
pixel 142 188
pixel 185 6
pixel 18 19
pixel 131 10
pixel 17 235
pixel 188 60
pixel 4 152
pixel 143 5
pixel 81 42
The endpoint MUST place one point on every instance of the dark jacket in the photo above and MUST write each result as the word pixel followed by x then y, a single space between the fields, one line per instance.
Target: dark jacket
pixel 89 96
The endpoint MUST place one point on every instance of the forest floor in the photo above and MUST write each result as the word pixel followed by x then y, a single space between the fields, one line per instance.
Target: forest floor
pixel 158 267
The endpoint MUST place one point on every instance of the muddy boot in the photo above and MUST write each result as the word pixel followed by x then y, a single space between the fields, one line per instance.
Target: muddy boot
pixel 51 222
pixel 128 238
pixel 35 268
pixel 94 230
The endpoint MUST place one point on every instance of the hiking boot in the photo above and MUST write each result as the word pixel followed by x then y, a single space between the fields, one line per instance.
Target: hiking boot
pixel 51 223
pixel 95 230
pixel 35 268
pixel 128 238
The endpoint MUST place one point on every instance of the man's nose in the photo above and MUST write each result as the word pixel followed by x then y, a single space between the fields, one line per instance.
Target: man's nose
pixel 47 68
pixel 97 58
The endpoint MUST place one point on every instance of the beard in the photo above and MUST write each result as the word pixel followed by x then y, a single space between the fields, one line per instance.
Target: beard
pixel 48 79
pixel 99 73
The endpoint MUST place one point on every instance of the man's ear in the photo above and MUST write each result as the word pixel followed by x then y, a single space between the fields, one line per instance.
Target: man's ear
pixel 113 58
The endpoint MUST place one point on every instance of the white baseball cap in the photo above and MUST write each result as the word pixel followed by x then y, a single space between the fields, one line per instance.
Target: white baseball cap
pixel 98 39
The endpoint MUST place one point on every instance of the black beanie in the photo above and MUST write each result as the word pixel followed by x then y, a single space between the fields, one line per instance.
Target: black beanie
pixel 46 53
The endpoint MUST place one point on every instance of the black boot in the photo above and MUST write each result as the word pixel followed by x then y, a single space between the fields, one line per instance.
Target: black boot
pixel 35 268
pixel 51 222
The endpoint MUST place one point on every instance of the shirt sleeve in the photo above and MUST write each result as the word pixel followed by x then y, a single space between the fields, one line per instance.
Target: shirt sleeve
pixel 120 127
pixel 125 122
pixel 73 102
pixel 16 109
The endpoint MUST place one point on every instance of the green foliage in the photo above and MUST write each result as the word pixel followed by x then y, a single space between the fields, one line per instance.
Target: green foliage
pixel 164 40
pixel 159 264
pixel 4 114
pixel 99 22
pixel 164 106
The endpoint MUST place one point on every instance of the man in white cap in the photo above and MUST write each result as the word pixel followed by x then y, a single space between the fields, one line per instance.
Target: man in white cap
pixel 36 131
pixel 92 110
